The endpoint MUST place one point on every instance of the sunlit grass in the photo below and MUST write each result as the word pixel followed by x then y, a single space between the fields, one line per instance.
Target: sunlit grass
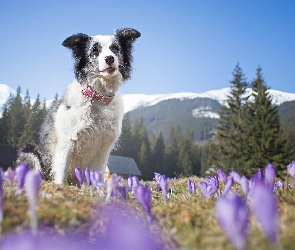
pixel 186 221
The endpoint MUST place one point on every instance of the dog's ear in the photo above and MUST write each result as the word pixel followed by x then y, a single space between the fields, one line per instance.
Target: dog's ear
pixel 127 34
pixel 76 43
pixel 126 37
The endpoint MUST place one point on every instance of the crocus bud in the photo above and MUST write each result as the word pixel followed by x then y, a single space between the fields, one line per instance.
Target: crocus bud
pixel 135 181
pixel 232 215
pixel 228 185
pixel 264 207
pixel 143 196
pixel 87 175
pixel 222 176
pixel 259 175
pixel 20 173
pixel 193 187
pixel 236 176
pixel 79 175
pixel 244 185
pixel 112 185
pixel 189 186
pixel 291 168
pixel 32 185
pixel 163 185
pixel 209 187
pixel 9 176
pixel 270 175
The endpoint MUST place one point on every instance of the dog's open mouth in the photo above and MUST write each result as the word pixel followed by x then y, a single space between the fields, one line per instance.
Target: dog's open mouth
pixel 109 70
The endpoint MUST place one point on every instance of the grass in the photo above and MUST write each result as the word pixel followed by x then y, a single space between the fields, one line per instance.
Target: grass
pixel 186 221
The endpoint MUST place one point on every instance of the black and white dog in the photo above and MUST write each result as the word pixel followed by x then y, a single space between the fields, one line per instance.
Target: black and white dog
pixel 82 127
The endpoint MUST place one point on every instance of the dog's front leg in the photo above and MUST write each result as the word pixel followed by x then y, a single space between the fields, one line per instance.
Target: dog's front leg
pixel 60 163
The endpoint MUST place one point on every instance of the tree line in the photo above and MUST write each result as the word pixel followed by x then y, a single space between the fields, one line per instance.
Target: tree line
pixel 179 156
pixel 248 135
pixel 21 119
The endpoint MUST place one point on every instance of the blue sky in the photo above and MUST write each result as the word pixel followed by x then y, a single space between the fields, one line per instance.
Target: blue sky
pixel 186 46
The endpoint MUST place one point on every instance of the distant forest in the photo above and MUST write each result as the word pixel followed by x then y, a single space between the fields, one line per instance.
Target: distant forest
pixel 249 134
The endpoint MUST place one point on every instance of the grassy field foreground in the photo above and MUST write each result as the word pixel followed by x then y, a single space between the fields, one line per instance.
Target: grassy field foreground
pixel 186 221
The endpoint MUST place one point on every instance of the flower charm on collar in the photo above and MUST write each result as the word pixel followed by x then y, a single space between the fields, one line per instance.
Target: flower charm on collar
pixel 90 93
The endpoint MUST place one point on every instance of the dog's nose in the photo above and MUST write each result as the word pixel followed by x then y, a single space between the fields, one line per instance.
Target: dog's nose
pixel 109 60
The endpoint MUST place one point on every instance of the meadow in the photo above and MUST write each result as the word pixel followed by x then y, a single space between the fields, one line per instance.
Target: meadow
pixel 71 217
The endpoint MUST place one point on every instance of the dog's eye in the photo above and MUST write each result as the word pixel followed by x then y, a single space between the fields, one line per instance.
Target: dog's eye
pixel 96 49
pixel 114 48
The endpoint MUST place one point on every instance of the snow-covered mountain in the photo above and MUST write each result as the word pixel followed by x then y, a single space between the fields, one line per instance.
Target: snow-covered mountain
pixel 134 101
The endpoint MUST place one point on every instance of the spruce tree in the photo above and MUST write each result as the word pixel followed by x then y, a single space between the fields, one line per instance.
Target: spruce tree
pixel 125 144
pixel 184 161
pixel 15 120
pixel 171 152
pixel 28 132
pixel 265 138
pixel 157 158
pixel 231 129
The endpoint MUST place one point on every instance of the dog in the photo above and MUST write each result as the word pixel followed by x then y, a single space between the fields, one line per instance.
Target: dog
pixel 83 126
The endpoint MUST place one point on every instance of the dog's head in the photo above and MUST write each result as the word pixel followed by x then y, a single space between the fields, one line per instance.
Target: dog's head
pixel 102 56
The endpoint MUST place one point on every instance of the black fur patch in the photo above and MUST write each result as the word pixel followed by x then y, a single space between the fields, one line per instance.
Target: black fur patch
pixel 126 37
pixel 78 43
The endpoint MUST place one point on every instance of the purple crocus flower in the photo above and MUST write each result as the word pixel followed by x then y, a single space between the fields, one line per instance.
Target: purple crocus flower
pixel 222 176
pixel 236 176
pixel 32 185
pixel 291 168
pixel 232 215
pixel 259 175
pixel 123 191
pixel 135 181
pixel 264 207
pixel 9 176
pixel 96 180
pixel 112 185
pixel 279 184
pixel 87 176
pixel 79 175
pixel 270 175
pixel 143 196
pixel 228 185
pixel 129 183
pixel 20 174
pixel 132 182
pixel 194 188
pixel 88 179
pixel 164 186
pixel 162 182
pixel 157 177
pixel 191 186
pixel 210 186
pixel 244 185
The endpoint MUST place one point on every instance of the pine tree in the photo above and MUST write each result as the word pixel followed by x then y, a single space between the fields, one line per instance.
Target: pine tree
pixel 289 146
pixel 27 134
pixel 171 152
pixel 15 120
pixel 184 161
pixel 157 158
pixel 265 138
pixel 231 130
pixel 125 145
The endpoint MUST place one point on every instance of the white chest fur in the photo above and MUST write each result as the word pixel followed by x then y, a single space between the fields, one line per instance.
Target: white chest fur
pixel 85 132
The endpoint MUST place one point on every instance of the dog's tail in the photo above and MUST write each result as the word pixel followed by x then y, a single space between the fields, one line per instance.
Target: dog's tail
pixel 30 155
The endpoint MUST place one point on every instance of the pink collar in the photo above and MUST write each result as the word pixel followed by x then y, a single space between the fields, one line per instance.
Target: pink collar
pixel 90 93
